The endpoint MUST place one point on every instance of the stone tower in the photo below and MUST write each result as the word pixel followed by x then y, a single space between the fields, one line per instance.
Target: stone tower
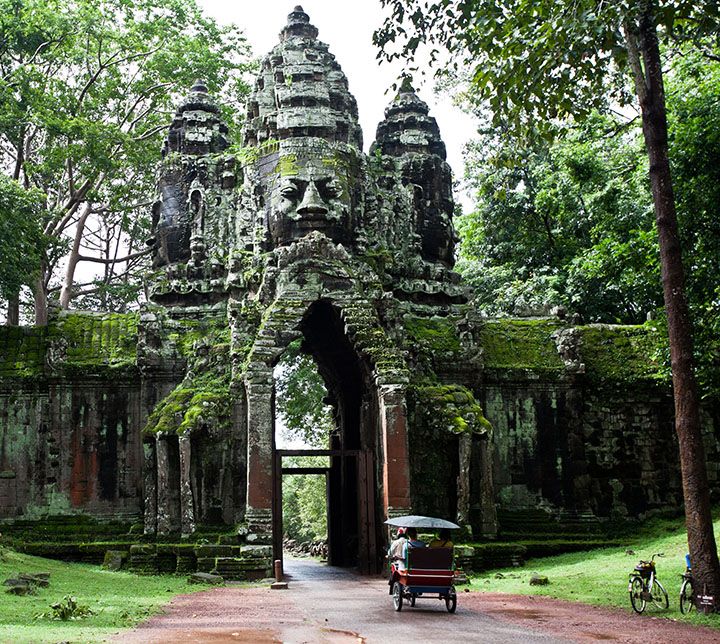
pixel 304 237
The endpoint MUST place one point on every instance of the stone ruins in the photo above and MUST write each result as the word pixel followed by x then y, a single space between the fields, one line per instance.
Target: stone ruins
pixel 165 418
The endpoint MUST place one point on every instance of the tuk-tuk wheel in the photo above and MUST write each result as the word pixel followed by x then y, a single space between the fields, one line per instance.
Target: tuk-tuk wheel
pixel 451 601
pixel 397 596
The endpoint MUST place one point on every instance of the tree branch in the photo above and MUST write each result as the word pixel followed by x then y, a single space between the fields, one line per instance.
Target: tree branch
pixel 119 260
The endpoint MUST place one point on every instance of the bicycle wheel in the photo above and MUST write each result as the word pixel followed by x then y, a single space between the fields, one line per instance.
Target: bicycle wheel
pixel 636 595
pixel 687 597
pixel 660 596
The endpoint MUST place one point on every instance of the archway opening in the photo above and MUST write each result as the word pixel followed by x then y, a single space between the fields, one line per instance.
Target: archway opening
pixel 324 412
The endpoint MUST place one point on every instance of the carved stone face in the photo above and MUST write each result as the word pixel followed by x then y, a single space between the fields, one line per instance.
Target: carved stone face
pixel 311 194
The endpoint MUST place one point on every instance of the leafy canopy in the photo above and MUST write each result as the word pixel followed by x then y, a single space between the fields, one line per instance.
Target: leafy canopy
pixel 300 399
pixel 87 90
pixel 535 60
pixel 21 238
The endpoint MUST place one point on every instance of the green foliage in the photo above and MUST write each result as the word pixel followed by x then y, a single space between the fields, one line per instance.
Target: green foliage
pixel 304 502
pixel 694 116
pixel 21 237
pixel 537 60
pixel 69 608
pixel 86 90
pixel 300 393
pixel 118 600
pixel 567 223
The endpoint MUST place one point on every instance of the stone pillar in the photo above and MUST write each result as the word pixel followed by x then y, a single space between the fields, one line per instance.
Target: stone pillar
pixel 164 520
pixel 150 488
pixel 260 421
pixel 463 481
pixel 488 509
pixel 187 503
pixel 396 467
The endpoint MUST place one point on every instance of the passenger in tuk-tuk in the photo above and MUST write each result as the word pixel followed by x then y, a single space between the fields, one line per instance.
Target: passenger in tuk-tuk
pixel 443 540
pixel 396 553
pixel 412 540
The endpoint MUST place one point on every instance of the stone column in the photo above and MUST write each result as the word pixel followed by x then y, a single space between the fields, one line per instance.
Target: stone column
pixel 463 480
pixel 164 520
pixel 187 503
pixel 488 509
pixel 396 467
pixel 260 421
pixel 150 488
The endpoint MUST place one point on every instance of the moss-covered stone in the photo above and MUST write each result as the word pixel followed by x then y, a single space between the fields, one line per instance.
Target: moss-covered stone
pixel 203 398
pixel 434 335
pixel 450 407
pixel 624 354
pixel 520 344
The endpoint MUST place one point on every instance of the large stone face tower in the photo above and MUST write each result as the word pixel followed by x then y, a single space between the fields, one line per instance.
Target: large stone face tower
pixel 306 237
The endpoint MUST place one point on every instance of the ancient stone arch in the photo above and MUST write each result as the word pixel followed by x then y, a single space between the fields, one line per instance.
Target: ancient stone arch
pixel 306 236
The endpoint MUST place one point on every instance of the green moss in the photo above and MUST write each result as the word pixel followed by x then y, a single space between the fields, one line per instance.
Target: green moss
pixel 22 351
pixel 520 344
pixel 380 259
pixel 287 165
pixel 203 398
pixel 435 335
pixel 450 407
pixel 623 354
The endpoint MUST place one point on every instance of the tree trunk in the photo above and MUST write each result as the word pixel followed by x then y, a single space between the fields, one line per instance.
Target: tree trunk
pixel 13 310
pixel 41 300
pixel 66 293
pixel 696 491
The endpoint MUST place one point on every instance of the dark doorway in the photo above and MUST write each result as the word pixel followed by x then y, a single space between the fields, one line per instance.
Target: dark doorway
pixel 351 507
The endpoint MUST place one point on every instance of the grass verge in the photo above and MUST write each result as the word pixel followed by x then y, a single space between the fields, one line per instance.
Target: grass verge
pixel 600 577
pixel 118 600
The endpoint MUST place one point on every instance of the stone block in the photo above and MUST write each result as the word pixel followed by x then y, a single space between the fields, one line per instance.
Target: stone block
pixel 256 551
pixel 213 550
pixel 205 578
pixel 114 559
pixel 205 564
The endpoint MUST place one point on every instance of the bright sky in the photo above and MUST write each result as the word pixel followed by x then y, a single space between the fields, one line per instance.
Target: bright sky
pixel 347 26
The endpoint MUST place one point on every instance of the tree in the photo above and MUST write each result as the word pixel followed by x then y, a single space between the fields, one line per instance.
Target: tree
pixel 535 60
pixel 86 91
pixel 300 399
pixel 21 239
pixel 564 222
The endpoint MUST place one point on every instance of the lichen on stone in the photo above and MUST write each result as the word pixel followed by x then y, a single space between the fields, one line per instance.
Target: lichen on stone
pixel 450 407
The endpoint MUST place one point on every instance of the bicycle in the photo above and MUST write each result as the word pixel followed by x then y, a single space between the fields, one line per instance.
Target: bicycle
pixel 644 586
pixel 687 592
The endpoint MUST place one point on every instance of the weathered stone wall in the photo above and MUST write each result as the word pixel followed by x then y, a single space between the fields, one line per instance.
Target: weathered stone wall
pixel 70 446
pixel 70 409
pixel 568 447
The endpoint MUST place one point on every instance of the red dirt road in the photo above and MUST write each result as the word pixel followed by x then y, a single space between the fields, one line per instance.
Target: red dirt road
pixel 332 606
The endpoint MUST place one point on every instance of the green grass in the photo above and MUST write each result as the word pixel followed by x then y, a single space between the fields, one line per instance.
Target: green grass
pixel 118 599
pixel 600 577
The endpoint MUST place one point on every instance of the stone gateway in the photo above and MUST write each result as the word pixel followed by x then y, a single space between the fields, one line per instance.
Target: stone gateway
pixel 167 416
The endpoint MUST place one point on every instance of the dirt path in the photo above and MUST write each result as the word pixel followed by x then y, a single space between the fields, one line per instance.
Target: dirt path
pixel 337 607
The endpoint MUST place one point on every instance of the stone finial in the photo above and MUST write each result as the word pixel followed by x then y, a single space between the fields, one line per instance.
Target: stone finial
pixel 408 126
pixel 298 26
pixel 197 127
pixel 301 91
